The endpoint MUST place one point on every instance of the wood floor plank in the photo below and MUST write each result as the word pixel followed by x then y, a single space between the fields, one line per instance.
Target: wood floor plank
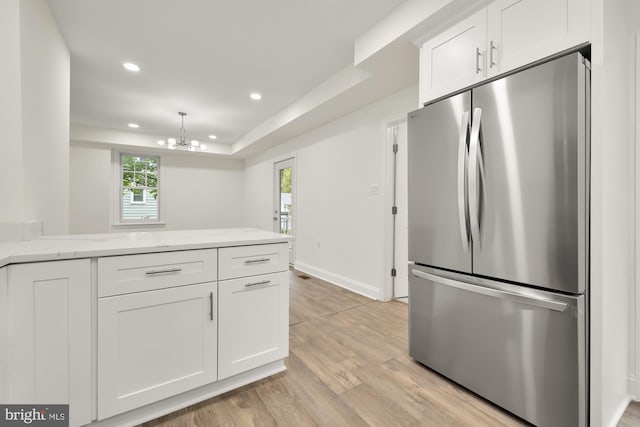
pixel 283 403
pixel 249 409
pixel 326 408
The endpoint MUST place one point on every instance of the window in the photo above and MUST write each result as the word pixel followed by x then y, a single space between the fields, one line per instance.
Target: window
pixel 138 178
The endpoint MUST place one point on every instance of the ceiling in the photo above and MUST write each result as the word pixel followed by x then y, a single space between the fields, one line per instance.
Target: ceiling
pixel 204 57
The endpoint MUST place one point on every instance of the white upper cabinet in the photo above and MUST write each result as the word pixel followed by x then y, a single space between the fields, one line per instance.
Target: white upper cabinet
pixel 523 31
pixel 505 35
pixel 454 58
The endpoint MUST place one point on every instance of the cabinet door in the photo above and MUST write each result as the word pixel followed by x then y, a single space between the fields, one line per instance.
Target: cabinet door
pixel 454 59
pixel 523 31
pixel 254 322
pixel 152 345
pixel 50 335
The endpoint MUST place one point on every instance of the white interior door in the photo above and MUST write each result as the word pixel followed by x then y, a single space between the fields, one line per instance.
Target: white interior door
pixel 284 201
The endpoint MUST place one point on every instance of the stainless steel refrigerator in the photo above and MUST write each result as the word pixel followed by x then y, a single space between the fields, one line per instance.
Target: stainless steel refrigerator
pixel 499 240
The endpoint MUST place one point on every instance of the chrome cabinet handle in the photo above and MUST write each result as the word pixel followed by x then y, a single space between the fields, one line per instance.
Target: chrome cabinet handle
pixel 492 47
pixel 495 293
pixel 211 305
pixel 165 271
pixel 263 282
pixel 463 159
pixel 475 163
pixel 478 55
pixel 253 261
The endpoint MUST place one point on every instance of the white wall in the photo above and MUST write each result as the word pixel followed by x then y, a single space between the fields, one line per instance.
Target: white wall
pixel 10 113
pixel 202 192
pixel 612 198
pixel 45 117
pixel 34 116
pixel 196 191
pixel 90 189
pixel 340 226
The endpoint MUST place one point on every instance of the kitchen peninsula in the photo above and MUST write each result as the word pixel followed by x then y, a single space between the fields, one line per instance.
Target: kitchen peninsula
pixel 126 327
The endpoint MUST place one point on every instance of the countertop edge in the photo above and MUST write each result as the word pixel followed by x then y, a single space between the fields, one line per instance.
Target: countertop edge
pixel 25 252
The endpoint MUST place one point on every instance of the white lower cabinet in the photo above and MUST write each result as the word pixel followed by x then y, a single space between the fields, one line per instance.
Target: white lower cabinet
pixel 155 344
pixel 111 335
pixel 254 322
pixel 49 334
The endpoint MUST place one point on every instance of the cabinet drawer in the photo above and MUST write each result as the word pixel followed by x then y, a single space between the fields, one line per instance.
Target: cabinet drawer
pixel 242 261
pixel 134 273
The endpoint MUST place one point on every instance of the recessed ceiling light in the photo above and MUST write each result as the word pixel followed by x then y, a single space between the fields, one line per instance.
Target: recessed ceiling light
pixel 134 125
pixel 213 137
pixel 255 96
pixel 131 66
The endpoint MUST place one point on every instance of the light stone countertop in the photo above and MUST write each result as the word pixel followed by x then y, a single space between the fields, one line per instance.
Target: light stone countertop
pixel 75 246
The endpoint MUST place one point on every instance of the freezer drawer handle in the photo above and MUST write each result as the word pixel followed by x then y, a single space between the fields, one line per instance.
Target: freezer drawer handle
pixel 495 293
pixel 253 261
pixel 165 271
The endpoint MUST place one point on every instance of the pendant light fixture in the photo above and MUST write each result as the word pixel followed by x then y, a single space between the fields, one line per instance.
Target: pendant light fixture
pixel 173 143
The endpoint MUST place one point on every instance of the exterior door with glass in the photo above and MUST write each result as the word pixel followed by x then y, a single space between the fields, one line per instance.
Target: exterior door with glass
pixel 284 201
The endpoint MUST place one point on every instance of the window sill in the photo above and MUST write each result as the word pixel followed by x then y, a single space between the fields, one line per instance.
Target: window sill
pixel 138 224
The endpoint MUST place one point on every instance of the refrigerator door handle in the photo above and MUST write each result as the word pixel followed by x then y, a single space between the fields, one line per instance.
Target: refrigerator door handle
pixel 475 163
pixel 463 160
pixel 495 293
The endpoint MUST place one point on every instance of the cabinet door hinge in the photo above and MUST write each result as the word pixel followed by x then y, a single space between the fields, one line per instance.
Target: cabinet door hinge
pixel 395 148
pixel 394 210
pixel 393 272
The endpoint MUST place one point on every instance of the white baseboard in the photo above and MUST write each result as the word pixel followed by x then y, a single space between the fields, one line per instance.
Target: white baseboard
pixel 344 282
pixel 620 412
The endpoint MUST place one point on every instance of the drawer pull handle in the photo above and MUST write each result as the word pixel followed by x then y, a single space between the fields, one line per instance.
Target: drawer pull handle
pixel 211 305
pixel 478 55
pixel 168 270
pixel 263 282
pixel 253 261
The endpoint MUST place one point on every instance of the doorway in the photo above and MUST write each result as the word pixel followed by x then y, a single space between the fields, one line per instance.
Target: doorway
pixel 284 201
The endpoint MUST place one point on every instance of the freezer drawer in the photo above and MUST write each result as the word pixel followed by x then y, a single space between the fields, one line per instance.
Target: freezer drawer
pixel 520 348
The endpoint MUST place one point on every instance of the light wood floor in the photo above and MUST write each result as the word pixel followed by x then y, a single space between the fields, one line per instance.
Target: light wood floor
pixel 349 366
pixel 631 417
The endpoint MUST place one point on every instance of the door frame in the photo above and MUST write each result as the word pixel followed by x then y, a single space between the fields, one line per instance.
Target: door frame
pixel 275 208
pixel 389 244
